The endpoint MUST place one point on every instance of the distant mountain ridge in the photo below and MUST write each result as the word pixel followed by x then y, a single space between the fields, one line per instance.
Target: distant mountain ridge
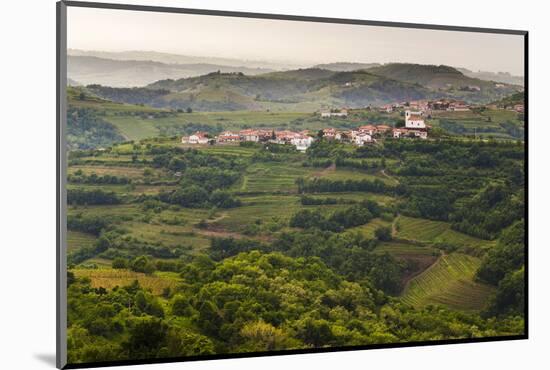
pixel 130 73
pixel 170 58
pixel 177 66
pixel 503 77
pixel 346 66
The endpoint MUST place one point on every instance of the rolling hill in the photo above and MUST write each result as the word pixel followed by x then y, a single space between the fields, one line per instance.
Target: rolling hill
pixel 445 79
pixel 299 90
pixel 311 89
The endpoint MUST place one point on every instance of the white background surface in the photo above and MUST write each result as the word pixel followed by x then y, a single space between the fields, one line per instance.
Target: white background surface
pixel 27 206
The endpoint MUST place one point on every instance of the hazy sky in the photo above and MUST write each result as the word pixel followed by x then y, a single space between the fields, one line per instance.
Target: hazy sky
pixel 294 42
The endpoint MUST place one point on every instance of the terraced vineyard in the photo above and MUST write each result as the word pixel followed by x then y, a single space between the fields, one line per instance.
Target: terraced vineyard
pixel 272 178
pixel 109 278
pixel 449 282
pixel 345 174
pixel 423 230
pixel 406 249
pixel 76 239
pixel 369 229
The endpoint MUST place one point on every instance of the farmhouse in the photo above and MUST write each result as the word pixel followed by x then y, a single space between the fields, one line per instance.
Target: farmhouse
pixel 197 138
pixel 458 106
pixel 362 138
pixel 301 142
pixel 414 120
pixel 283 137
pixel 442 104
pixel 419 105
pixel 329 133
pixel 367 129
pixel 250 135
pixel 388 108
pixel 228 137
pixel 405 132
pixel 423 134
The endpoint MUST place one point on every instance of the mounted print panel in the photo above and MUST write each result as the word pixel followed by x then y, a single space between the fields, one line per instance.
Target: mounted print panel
pixel 236 185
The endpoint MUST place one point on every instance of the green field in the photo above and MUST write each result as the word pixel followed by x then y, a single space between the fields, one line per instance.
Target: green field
pixel 449 282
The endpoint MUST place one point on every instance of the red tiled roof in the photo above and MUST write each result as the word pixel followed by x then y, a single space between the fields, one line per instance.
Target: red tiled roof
pixel 200 134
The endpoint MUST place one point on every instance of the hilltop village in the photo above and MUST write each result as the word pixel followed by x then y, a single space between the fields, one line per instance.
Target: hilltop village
pixel 415 127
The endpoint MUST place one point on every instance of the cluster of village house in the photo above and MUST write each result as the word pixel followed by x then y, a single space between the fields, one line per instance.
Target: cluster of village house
pixel 414 127
pixel 428 106
pixel 451 105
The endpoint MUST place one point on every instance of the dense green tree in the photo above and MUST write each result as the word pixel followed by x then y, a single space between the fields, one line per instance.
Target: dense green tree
pixel 383 233
pixel 142 264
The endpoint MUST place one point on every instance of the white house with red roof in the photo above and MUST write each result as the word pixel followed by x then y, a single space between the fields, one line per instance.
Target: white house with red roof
pixel 362 138
pixel 250 135
pixel 414 120
pixel 228 137
pixel 301 142
pixel 329 133
pixel 367 129
pixel 198 138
